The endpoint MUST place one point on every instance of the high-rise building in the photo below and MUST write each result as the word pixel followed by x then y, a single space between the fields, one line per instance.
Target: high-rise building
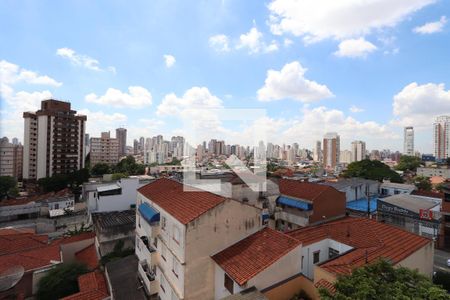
pixel 345 157
pixel 135 147
pixel 331 149
pixel 318 152
pixel 441 136
pixel 104 149
pixel 11 156
pixel 121 136
pixel 15 141
pixel 358 151
pixel 53 140
pixel 408 141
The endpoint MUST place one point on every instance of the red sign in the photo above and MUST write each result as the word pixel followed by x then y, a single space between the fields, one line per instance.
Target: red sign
pixel 426 214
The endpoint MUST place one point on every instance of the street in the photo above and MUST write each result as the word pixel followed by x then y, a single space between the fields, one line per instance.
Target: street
pixel 440 260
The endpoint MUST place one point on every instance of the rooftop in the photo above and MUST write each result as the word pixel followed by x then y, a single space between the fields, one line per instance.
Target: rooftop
pixel 428 194
pixel 122 275
pixel 92 286
pixel 109 187
pixel 108 220
pixel 348 182
pixel 371 240
pixel 88 256
pixel 403 186
pixel 248 257
pixel 411 202
pixel 183 205
pixel 302 190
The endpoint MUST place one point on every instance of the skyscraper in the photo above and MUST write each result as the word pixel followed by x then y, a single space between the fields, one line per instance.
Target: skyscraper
pixel 11 156
pixel 318 152
pixel 408 141
pixel 358 151
pixel 53 140
pixel 331 149
pixel 104 149
pixel 441 128
pixel 121 136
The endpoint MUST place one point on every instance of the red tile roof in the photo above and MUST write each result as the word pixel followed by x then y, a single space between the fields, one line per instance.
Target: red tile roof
pixel 302 190
pixel 325 284
pixel 185 206
pixel 248 257
pixel 371 240
pixel 16 240
pixel 31 259
pixel 92 287
pixel 428 194
pixel 36 198
pixel 75 238
pixel 88 256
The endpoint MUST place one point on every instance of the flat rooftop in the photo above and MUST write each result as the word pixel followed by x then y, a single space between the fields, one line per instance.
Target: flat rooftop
pixel 123 277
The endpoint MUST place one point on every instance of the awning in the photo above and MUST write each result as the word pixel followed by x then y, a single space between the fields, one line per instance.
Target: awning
pixel 148 213
pixel 294 203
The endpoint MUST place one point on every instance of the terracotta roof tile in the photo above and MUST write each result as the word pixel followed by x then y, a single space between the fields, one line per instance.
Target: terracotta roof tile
pixel 370 240
pixel 325 284
pixel 185 206
pixel 430 194
pixel 302 190
pixel 250 256
pixel 75 238
pixel 92 287
pixel 88 256
pixel 31 259
pixel 13 240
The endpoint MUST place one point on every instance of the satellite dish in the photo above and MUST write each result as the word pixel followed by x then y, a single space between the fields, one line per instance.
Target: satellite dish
pixel 11 277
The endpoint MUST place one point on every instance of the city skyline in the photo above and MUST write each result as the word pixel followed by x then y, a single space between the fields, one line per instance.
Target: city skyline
pixel 314 77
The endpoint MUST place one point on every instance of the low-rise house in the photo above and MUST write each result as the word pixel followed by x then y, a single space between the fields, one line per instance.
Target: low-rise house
pixel 259 260
pixel 414 213
pixel 114 227
pixel 443 172
pixel 92 286
pixel 355 188
pixel 178 228
pixel 388 188
pixel 337 247
pixel 304 203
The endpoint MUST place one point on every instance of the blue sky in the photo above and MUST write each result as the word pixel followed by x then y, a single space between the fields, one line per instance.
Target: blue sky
pixel 363 70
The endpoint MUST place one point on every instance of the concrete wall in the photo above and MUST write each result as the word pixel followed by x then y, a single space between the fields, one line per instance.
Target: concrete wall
pixel 68 250
pixel 287 290
pixel 330 204
pixel 421 260
pixel 41 156
pixel 215 230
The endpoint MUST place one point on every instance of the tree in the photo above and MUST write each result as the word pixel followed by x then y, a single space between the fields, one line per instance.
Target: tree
pixel 381 280
pixel 61 281
pixel 423 183
pixel 100 169
pixel 407 162
pixel 442 279
pixel 8 186
pixel 371 169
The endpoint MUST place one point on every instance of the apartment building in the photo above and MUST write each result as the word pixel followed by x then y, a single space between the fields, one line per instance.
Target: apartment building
pixel 408 141
pixel 121 136
pixel 358 150
pixel 178 228
pixel 304 203
pixel 104 149
pixel 331 150
pixel 53 140
pixel 441 137
pixel 11 158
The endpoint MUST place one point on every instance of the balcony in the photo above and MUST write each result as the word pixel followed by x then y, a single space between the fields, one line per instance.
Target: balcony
pixel 292 218
pixel 148 277
pixel 145 250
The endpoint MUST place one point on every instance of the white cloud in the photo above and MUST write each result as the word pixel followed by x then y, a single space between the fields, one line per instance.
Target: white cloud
pixel 82 60
pixel 291 83
pixel 431 27
pixel 287 42
pixel 355 48
pixel 418 105
pixel 136 97
pixel 194 98
pixel 11 73
pixel 355 109
pixel 169 60
pixel 253 41
pixel 219 43
pixel 316 20
pixel 98 121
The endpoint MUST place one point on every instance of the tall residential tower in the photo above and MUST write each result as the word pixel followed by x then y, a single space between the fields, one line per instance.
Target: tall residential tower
pixel 408 141
pixel 441 128
pixel 121 136
pixel 331 150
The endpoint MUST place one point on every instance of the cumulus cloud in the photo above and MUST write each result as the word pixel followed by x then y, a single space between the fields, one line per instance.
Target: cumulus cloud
pixel 431 27
pixel 99 121
pixel 290 82
pixel 11 73
pixel 219 43
pixel 194 98
pixel 253 41
pixel 169 60
pixel 418 105
pixel 136 97
pixel 355 109
pixel 315 20
pixel 82 60
pixel 355 48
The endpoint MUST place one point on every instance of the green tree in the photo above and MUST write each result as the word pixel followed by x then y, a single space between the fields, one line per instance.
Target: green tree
pixel 423 183
pixel 443 279
pixel 100 169
pixel 381 280
pixel 54 183
pixel 371 169
pixel 117 176
pixel 407 162
pixel 61 281
pixel 8 186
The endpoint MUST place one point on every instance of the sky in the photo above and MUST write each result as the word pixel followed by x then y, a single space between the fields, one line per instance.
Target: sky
pixel 364 69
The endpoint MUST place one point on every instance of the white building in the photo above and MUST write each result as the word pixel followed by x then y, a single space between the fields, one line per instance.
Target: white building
pixel 318 151
pixel 11 157
pixel 345 157
pixel 408 141
pixel 441 137
pixel 176 232
pixel 358 150
pixel 388 188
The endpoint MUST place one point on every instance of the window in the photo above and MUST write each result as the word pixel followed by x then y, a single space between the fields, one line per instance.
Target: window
pixel 176 267
pixel 163 223
pixel 57 206
pixel 316 257
pixel 163 252
pixel 332 253
pixel 228 283
pixel 176 234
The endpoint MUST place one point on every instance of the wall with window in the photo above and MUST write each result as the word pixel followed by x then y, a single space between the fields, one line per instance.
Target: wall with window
pixel 172 269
